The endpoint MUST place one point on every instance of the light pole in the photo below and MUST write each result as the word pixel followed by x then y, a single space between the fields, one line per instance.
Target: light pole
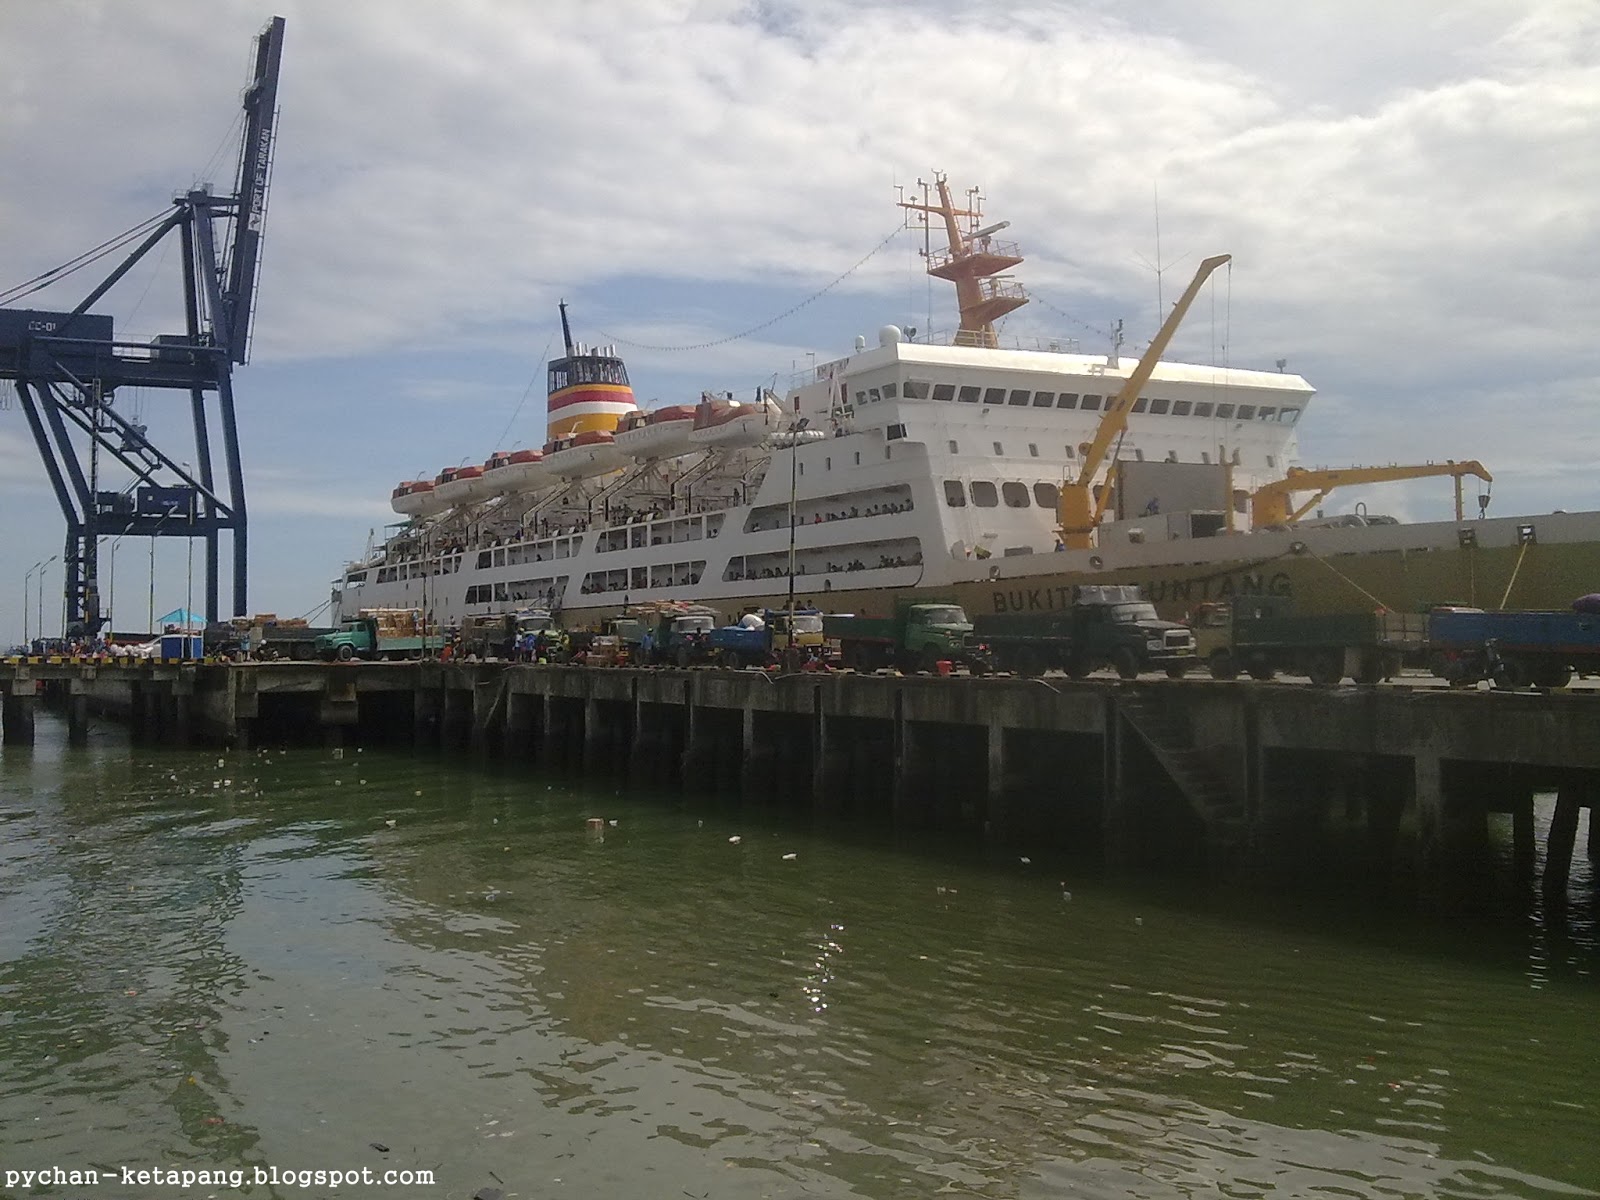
pixel 42 566
pixel 27 595
pixel 794 471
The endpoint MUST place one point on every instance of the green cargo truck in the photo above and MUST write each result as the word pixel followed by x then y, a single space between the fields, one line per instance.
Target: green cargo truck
pixel 1104 626
pixel 378 633
pixel 920 635
pixel 1261 636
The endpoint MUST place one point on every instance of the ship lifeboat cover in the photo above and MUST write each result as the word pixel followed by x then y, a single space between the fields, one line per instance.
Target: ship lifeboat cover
pixel 673 412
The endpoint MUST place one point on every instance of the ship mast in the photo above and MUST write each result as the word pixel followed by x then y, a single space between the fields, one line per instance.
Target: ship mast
pixel 973 262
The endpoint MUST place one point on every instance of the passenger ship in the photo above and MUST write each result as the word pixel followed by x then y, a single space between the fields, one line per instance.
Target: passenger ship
pixel 915 467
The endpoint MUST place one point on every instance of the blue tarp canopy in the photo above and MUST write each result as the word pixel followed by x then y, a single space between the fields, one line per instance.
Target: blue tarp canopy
pixel 183 619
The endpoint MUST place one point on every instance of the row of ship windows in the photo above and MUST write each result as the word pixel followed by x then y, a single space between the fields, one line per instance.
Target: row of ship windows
pixel 545 591
pixel 1015 495
pixel 1138 455
pixel 917 389
pixel 588 370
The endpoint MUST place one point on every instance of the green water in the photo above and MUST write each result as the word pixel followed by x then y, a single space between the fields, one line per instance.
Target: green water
pixel 293 959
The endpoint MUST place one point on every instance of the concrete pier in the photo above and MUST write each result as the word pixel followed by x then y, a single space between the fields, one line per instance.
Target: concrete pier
pixel 1400 786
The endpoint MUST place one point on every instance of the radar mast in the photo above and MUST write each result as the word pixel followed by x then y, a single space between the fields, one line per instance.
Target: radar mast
pixel 973 262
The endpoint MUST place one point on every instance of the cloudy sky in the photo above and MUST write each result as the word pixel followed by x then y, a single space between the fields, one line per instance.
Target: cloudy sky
pixel 1407 190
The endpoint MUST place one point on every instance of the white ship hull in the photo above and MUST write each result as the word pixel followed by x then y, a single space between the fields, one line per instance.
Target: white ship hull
pixel 918 494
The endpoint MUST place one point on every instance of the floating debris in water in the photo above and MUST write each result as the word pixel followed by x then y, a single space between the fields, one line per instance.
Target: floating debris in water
pixel 735 840
pixel 390 822
pixel 790 857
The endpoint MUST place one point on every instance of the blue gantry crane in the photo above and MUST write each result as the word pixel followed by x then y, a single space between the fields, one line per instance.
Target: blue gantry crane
pixel 109 476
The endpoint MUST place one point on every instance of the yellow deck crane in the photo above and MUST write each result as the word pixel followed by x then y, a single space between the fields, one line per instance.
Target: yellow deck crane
pixel 1081 510
pixel 1270 504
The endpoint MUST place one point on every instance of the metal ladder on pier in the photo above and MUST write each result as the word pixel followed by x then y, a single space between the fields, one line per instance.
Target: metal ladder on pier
pixel 1172 743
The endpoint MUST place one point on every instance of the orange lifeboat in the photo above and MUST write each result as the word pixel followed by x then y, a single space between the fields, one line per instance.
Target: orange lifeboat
pixel 659 433
pixel 516 471
pixel 455 485
pixel 582 455
pixel 733 422
pixel 415 498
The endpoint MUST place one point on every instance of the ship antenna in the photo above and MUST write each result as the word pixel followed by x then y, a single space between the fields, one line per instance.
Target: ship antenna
pixel 566 330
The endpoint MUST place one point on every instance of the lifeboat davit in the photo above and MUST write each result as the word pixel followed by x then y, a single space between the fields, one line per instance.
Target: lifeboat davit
pixel 415 498
pixel 455 485
pixel 660 433
pixel 516 471
pixel 583 454
pixel 733 422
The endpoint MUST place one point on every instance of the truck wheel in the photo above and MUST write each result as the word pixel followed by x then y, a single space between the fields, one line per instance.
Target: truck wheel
pixel 1552 675
pixel 1511 675
pixel 346 652
pixel 1262 669
pixel 1371 669
pixel 731 660
pixel 1025 661
pixel 1177 670
pixel 301 651
pixel 1077 668
pixel 1125 662
pixel 1326 668
pixel 684 657
pixel 1222 666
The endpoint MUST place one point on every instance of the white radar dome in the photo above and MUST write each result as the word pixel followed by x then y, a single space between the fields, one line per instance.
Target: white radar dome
pixel 889 335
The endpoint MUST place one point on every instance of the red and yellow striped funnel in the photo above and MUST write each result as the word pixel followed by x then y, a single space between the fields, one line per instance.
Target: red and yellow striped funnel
pixel 589 389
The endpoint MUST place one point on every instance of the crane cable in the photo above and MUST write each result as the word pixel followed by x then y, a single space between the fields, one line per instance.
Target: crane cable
pixel 1305 549
pixel 733 337
pixel 39 282
pixel 1512 582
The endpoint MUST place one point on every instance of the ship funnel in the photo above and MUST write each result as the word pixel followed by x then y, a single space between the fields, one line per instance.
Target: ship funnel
pixel 589 390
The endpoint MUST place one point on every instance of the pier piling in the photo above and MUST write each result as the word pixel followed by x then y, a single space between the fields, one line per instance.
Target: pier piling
pixel 1396 786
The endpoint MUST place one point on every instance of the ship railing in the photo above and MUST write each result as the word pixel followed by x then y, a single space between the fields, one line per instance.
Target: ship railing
pixel 1001 287
pixel 973 249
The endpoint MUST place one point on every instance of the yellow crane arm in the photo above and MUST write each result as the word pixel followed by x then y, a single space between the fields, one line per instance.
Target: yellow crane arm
pixel 1270 503
pixel 1080 511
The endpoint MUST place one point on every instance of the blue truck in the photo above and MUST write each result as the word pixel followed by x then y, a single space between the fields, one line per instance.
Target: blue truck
pixel 1513 649
pixel 763 644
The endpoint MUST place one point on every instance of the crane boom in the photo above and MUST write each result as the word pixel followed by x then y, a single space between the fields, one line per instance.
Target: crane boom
pixel 255 164
pixel 1270 503
pixel 1079 511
